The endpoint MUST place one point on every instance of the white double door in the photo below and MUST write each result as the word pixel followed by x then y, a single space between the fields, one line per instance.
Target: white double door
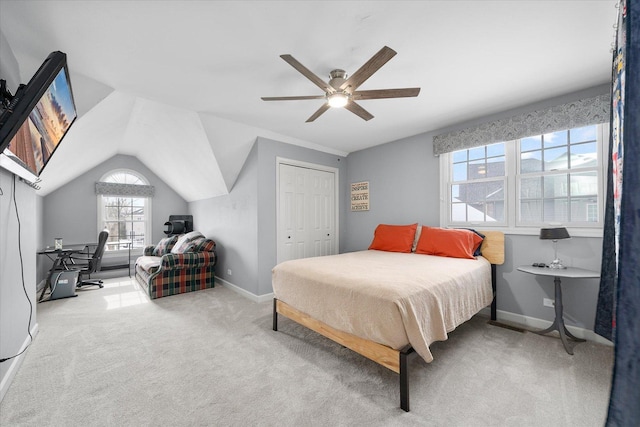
pixel 307 212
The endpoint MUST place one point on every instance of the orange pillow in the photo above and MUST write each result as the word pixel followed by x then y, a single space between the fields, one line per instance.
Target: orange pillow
pixel 394 238
pixel 454 243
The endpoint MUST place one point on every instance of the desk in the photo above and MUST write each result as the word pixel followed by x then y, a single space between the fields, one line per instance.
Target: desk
pixel 58 257
pixel 557 274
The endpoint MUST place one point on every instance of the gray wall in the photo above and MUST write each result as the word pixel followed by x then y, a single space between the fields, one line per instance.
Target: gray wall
pixel 14 242
pixel 404 188
pixel 243 223
pixel 71 212
pixel 232 222
pixel 14 306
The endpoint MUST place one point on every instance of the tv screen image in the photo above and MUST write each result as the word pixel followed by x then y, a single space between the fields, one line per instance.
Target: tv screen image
pixel 36 119
pixel 48 122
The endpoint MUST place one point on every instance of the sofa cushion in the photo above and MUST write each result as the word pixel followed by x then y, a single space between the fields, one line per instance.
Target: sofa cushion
pixel 184 241
pixel 205 245
pixel 164 246
pixel 150 264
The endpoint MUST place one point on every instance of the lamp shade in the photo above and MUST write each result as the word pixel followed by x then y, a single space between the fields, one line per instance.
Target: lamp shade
pixel 554 233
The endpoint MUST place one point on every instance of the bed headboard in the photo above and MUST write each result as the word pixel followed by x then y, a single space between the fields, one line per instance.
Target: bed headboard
pixel 493 246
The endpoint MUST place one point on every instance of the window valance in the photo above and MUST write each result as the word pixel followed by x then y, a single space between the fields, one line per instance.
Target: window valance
pixel 116 189
pixel 565 116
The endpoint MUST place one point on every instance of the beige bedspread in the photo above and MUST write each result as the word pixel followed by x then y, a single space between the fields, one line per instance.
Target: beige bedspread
pixel 387 297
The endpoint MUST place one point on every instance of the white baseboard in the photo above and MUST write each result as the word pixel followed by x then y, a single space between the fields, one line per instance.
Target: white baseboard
pixel 15 364
pixel 253 297
pixel 534 323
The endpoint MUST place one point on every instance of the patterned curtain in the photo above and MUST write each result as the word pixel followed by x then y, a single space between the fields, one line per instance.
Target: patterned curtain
pixel 579 113
pixel 618 311
pixel 115 189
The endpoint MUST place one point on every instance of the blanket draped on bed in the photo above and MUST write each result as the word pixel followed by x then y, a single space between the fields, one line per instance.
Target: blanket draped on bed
pixel 390 298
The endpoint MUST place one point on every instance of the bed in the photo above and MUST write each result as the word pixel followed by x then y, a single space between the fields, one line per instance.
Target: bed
pixel 387 305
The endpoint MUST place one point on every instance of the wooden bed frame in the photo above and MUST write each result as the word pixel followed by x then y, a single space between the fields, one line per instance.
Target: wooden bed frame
pixel 395 360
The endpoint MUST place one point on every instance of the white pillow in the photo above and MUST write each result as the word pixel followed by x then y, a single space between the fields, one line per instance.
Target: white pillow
pixel 184 240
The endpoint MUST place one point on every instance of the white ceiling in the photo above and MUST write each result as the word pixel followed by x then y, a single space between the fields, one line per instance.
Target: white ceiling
pixel 163 80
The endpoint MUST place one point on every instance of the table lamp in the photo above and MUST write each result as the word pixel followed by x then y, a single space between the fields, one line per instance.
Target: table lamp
pixel 554 234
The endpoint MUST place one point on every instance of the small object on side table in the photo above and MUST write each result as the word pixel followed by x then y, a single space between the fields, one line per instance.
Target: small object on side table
pixel 557 273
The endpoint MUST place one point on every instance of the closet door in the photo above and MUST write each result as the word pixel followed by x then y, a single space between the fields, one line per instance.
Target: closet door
pixel 307 212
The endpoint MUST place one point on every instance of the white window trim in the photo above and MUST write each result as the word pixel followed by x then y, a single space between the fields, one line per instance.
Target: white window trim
pixel 511 209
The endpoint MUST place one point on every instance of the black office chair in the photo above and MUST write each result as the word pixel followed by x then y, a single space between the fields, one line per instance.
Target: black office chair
pixel 93 263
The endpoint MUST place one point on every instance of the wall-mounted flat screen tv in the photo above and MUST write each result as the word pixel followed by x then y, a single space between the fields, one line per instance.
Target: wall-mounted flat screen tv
pixel 37 118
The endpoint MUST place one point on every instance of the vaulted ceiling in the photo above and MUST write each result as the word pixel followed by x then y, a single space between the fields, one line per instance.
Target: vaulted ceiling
pixel 178 83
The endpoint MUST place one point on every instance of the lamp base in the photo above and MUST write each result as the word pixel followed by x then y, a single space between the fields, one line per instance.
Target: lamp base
pixel 557 264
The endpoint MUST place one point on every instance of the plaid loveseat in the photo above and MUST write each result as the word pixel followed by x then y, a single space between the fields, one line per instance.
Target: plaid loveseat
pixel 176 265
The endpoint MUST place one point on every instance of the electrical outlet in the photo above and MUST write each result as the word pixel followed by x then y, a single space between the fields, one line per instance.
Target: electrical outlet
pixel 229 272
pixel 548 302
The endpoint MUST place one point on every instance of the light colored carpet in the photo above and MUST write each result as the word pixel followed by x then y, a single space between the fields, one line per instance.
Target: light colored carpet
pixel 111 357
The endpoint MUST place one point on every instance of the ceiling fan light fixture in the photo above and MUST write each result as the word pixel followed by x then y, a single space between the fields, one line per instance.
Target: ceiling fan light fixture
pixel 338 99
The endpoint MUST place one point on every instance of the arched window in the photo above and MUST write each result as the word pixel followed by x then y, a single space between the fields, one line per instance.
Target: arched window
pixel 124 209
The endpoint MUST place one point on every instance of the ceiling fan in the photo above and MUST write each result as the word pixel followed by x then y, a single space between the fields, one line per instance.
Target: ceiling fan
pixel 341 90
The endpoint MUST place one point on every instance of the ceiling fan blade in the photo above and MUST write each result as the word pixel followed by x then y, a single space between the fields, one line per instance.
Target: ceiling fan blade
pixel 291 98
pixel 358 111
pixel 386 93
pixel 318 113
pixel 307 73
pixel 370 67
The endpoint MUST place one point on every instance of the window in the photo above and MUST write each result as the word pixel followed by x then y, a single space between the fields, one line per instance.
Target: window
pixel 125 212
pixel 548 179
pixel 478 184
pixel 558 177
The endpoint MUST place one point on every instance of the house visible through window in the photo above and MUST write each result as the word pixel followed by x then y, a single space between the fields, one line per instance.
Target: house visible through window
pixel 558 177
pixel 478 183
pixel 127 216
pixel 552 178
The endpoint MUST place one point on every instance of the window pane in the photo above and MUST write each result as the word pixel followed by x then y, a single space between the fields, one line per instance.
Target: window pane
pixel 494 150
pixel 531 211
pixel 109 201
pixel 472 192
pixel 460 156
pixel 555 139
pixel 125 212
pixel 584 210
pixel 555 186
pixel 584 184
pixel 476 153
pixel 555 210
pixel 584 155
pixel 475 212
pixel 460 172
pixel 531 161
pixel 531 188
pixel 111 213
pixel 137 201
pixel 531 143
pixel 556 159
pixel 458 212
pixel 138 214
pixel 455 192
pixel 495 211
pixel 587 133
pixel 477 169
pixel 495 167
